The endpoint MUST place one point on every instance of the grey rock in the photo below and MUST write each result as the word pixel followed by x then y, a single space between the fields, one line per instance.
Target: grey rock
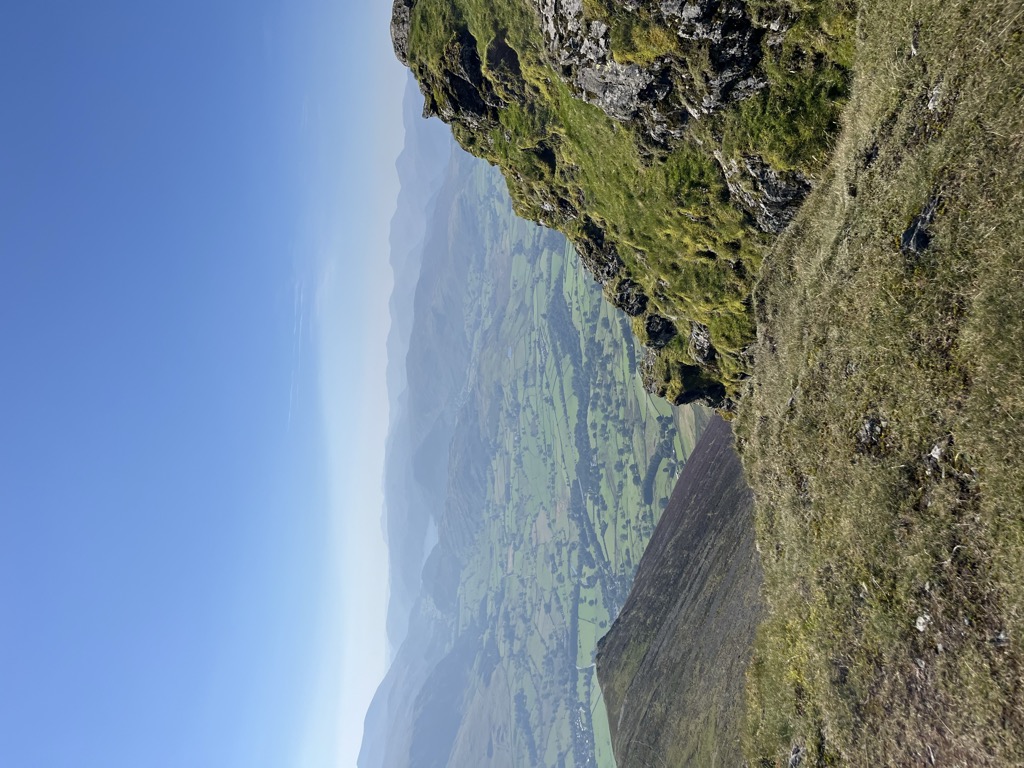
pixel 871 433
pixel 613 87
pixel 683 10
pixel 917 237
pixel 771 197
pixel 630 298
pixel 401 19
pixel 598 255
pixel 660 331
pixel 701 349
pixel 466 96
pixel 659 97
pixel 935 96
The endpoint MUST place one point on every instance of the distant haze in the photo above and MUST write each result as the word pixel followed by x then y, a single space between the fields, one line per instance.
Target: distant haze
pixel 524 458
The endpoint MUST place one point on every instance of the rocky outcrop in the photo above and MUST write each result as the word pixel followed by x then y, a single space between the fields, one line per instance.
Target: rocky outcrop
pixel 630 298
pixel 661 96
pixel 771 197
pixel 600 257
pixel 660 331
pixel 701 349
pixel 699 385
pixel 464 95
pixel 668 76
pixel 401 21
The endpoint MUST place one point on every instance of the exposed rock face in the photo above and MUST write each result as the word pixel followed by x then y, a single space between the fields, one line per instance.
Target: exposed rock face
pixel 698 386
pixel 660 96
pixel 401 19
pixel 660 331
pixel 771 197
pixel 600 257
pixel 466 96
pixel 630 298
pixel 700 344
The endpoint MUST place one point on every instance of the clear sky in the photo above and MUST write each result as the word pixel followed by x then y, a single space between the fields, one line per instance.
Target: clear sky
pixel 194 207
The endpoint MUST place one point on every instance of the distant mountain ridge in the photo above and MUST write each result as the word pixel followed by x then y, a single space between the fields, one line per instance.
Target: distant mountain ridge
pixel 422 167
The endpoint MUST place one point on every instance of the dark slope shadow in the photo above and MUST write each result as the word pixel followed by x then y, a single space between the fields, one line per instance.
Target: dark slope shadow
pixel 673 665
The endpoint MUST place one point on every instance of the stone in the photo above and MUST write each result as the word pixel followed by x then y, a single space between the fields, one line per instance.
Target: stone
pixel 660 331
pixel 870 433
pixel 660 96
pixel 630 298
pixel 701 349
pixel 771 197
pixel 916 238
pixel 401 19
pixel 599 256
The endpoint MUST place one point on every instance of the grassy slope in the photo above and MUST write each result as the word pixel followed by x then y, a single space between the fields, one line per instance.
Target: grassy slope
pixel 918 522
pixel 694 252
pixel 895 577
pixel 672 666
pixel 549 591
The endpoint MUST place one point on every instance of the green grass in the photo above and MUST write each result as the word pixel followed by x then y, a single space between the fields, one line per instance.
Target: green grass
pixel 893 578
pixel 693 250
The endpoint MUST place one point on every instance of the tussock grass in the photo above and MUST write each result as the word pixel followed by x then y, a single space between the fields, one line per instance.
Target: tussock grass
pixel 883 432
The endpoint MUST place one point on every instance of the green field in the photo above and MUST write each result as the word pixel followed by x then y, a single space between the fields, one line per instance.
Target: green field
pixel 579 461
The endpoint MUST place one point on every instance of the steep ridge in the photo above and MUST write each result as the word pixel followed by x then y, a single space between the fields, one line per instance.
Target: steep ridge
pixel 672 666
pixel 667 140
pixel 422 169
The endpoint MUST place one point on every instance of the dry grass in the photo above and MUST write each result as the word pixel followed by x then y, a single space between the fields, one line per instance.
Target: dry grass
pixel 883 432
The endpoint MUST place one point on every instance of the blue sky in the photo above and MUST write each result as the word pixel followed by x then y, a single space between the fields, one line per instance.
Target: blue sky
pixel 194 207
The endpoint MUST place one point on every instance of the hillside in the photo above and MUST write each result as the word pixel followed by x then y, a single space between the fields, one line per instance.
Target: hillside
pixel 861 163
pixel 882 434
pixel 672 665
pixel 668 140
